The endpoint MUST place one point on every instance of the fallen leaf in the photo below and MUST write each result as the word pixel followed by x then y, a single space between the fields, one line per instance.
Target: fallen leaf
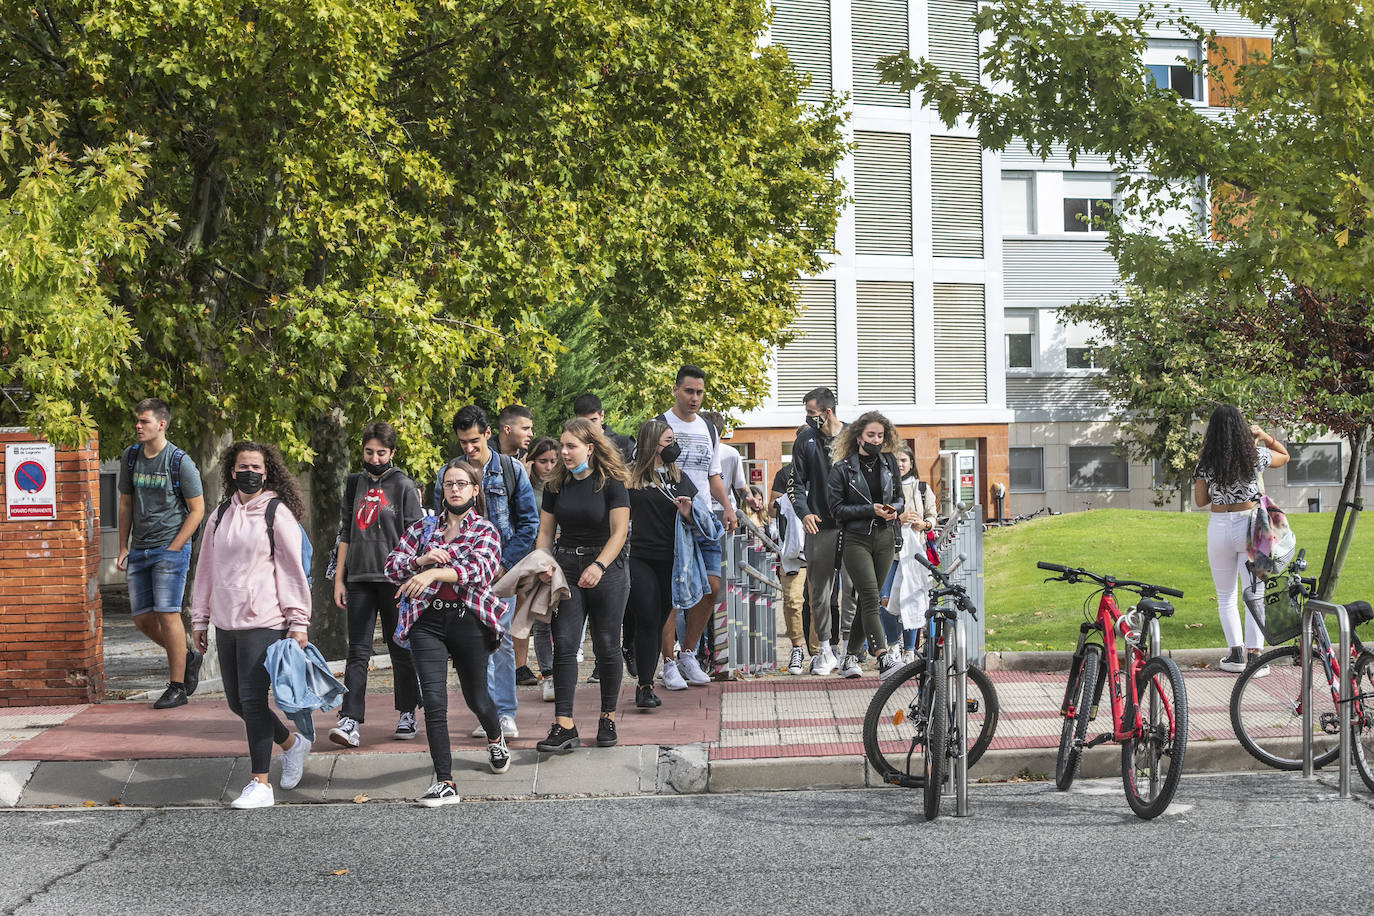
pixel 990 631
pixel 88 804
pixel 339 871
pixel 1023 642
pixel 115 802
pixel 1039 614
pixel 360 798
pixel 1192 626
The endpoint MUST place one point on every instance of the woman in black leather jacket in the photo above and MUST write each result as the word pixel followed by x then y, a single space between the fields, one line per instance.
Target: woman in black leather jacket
pixel 865 490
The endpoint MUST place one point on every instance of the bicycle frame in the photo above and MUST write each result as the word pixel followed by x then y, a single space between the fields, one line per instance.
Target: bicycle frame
pixel 1108 620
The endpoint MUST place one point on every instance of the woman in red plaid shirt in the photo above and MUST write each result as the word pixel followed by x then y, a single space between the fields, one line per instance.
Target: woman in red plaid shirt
pixel 445 568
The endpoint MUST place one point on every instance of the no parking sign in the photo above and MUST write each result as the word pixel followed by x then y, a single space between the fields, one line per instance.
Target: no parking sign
pixel 30 488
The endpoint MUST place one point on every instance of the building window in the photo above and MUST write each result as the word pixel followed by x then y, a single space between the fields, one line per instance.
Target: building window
pixel 1087 202
pixel 109 501
pixel 1027 470
pixel 1369 469
pixel 1018 207
pixel 1174 65
pixel 1078 350
pixel 1020 336
pixel 1314 463
pixel 1097 467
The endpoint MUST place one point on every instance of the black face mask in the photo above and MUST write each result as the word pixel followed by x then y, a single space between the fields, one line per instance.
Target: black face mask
pixel 248 482
pixel 817 422
pixel 461 508
pixel 376 470
pixel 868 449
pixel 670 453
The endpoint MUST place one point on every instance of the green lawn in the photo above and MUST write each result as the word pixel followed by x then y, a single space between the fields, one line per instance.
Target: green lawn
pixel 1165 548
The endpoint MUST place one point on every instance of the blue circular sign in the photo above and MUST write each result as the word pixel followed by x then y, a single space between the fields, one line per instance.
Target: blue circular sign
pixel 30 477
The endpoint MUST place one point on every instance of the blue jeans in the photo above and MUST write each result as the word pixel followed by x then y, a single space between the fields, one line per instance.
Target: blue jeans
pixel 501 666
pixel 157 579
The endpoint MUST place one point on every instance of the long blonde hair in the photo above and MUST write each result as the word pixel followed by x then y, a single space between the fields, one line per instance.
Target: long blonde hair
pixel 605 461
pixel 847 442
pixel 646 455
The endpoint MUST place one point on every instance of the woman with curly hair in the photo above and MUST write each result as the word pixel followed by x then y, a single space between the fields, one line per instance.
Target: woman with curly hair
pixel 587 506
pixel 253 588
pixel 865 490
pixel 1234 455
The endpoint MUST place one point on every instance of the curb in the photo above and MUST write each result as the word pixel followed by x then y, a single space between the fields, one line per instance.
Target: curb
pixel 1054 662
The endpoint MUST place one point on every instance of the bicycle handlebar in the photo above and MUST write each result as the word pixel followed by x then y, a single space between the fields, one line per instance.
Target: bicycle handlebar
pixel 1074 575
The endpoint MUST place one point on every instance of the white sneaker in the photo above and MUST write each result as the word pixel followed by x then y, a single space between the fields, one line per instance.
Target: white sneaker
pixel 690 668
pixel 851 668
pixel 255 795
pixel 797 661
pixel 890 662
pixel 908 656
pixel 824 662
pixel 547 686
pixel 346 732
pixel 441 793
pixel 508 728
pixel 672 678
pixel 293 762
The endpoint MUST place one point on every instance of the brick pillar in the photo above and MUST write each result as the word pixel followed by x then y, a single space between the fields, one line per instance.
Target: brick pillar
pixel 51 652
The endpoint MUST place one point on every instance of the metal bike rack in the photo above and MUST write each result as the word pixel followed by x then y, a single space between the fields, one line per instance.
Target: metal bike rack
pixel 959 773
pixel 1347 691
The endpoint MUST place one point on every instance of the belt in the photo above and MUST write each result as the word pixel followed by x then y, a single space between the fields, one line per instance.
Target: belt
pixel 443 604
pixel 577 551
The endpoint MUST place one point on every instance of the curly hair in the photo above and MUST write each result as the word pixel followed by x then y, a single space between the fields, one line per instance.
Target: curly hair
pixel 605 460
pixel 1228 449
pixel 278 479
pixel 847 442
pixel 646 454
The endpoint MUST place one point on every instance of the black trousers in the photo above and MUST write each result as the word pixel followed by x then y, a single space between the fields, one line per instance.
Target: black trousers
pixel 366 600
pixel 242 665
pixel 604 609
pixel 650 605
pixel 436 637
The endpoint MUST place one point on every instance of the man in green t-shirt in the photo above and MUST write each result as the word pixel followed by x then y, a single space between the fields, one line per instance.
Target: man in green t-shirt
pixel 161 504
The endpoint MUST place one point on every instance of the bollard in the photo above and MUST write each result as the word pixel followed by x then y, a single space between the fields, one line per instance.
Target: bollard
pixel 1346 689
pixel 960 722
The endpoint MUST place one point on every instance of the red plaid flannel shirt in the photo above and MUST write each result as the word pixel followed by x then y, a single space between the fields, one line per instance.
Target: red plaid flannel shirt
pixel 475 553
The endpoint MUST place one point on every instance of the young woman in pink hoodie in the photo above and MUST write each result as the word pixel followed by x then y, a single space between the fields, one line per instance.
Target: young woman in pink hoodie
pixel 255 593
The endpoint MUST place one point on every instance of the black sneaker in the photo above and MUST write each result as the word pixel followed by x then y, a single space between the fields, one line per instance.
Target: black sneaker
pixel 560 739
pixel 174 695
pixel 524 677
pixel 595 676
pixel 645 698
pixel 631 663
pixel 1234 662
pixel 192 677
pixel 498 755
pixel 441 793
pixel 605 733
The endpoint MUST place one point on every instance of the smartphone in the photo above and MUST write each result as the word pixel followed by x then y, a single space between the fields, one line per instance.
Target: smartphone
pixel 888 508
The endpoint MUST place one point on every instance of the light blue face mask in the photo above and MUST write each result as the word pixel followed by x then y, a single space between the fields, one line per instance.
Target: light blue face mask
pixel 581 467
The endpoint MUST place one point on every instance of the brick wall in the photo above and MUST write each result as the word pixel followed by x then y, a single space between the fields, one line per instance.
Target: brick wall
pixel 50 637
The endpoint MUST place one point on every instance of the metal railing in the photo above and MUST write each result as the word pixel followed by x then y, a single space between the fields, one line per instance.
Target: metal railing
pixel 745 621
pixel 1347 688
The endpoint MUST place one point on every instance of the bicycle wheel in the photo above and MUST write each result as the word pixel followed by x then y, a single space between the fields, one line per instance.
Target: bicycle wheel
pixel 1152 762
pixel 937 744
pixel 1075 730
pixel 1266 711
pixel 895 728
pixel 1363 721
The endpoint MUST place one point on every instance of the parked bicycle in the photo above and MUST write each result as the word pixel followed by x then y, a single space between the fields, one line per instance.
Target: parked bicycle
pixel 1148 699
pixel 911 735
pixel 1266 702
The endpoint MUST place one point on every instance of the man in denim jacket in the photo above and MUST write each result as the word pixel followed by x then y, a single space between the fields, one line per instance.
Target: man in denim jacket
pixel 512 509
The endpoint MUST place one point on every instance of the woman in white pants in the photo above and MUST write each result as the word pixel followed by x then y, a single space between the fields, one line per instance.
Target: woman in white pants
pixel 1234 455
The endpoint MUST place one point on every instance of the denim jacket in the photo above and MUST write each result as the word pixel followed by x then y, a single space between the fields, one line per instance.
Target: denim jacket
pixel 690 583
pixel 516 517
pixel 301 683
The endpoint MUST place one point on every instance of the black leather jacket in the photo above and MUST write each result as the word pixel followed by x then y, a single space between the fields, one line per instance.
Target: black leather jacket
pixel 851 505
pixel 810 471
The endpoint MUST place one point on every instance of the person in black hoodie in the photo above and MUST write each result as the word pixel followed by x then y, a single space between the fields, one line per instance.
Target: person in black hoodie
pixel 865 489
pixel 379 504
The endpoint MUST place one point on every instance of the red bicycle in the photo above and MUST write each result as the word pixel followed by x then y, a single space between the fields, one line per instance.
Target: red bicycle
pixel 1148 698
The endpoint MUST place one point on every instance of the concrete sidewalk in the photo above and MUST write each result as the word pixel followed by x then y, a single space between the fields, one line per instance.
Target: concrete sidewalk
pixel 771 732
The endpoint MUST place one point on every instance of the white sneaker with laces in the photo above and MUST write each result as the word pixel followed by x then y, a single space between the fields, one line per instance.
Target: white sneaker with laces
pixel 441 793
pixel 405 727
pixel 890 662
pixel 508 727
pixel 851 668
pixel 797 660
pixel 908 656
pixel 346 732
pixel 824 662
pixel 672 678
pixel 690 669
pixel 255 795
pixel 546 686
pixel 293 762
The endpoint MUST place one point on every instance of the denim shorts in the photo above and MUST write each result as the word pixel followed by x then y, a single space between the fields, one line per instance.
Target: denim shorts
pixel 157 579
pixel 711 553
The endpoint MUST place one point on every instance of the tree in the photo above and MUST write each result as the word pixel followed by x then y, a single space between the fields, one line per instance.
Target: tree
pixel 1285 324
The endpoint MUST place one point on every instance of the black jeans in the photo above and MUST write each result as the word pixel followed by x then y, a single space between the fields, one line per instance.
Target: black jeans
pixel 242 665
pixel 650 605
pixel 365 601
pixel 604 608
pixel 437 636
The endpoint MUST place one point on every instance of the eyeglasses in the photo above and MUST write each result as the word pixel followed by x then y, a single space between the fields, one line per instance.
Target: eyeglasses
pixel 458 485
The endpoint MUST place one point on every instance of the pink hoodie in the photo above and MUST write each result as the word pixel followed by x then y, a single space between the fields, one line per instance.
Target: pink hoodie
pixel 239 585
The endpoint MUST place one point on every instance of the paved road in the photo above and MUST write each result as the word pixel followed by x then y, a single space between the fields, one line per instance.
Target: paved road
pixel 1231 844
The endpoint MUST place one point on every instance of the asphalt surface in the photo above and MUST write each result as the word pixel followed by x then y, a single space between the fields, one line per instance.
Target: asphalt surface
pixel 1230 844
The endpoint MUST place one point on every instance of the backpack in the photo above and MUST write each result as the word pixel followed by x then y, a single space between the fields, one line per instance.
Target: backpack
pixel 307 550
pixel 173 471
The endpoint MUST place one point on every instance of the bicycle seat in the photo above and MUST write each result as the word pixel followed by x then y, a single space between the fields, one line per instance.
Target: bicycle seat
pixel 1360 612
pixel 1155 608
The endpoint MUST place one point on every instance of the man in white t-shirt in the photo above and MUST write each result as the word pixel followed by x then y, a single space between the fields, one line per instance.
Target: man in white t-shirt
pixel 700 461
pixel 731 467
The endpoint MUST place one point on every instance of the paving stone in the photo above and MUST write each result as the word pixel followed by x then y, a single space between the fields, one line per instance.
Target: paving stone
pixel 683 769
pixel 786 773
pixel 68 782
pixel 319 769
pixel 380 776
pixel 472 775
pixel 187 781
pixel 591 771
pixel 14 775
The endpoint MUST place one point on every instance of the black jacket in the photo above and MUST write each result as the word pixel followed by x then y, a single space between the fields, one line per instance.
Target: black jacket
pixel 810 471
pixel 851 505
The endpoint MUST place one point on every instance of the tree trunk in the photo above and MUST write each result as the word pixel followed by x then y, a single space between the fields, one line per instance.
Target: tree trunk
pixel 323 484
pixel 1347 515
pixel 205 454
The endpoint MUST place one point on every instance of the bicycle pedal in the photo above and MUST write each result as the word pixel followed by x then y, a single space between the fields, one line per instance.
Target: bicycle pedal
pixel 972 705
pixel 1330 724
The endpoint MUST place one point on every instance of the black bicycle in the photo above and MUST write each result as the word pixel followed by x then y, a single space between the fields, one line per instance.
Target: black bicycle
pixel 911 735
